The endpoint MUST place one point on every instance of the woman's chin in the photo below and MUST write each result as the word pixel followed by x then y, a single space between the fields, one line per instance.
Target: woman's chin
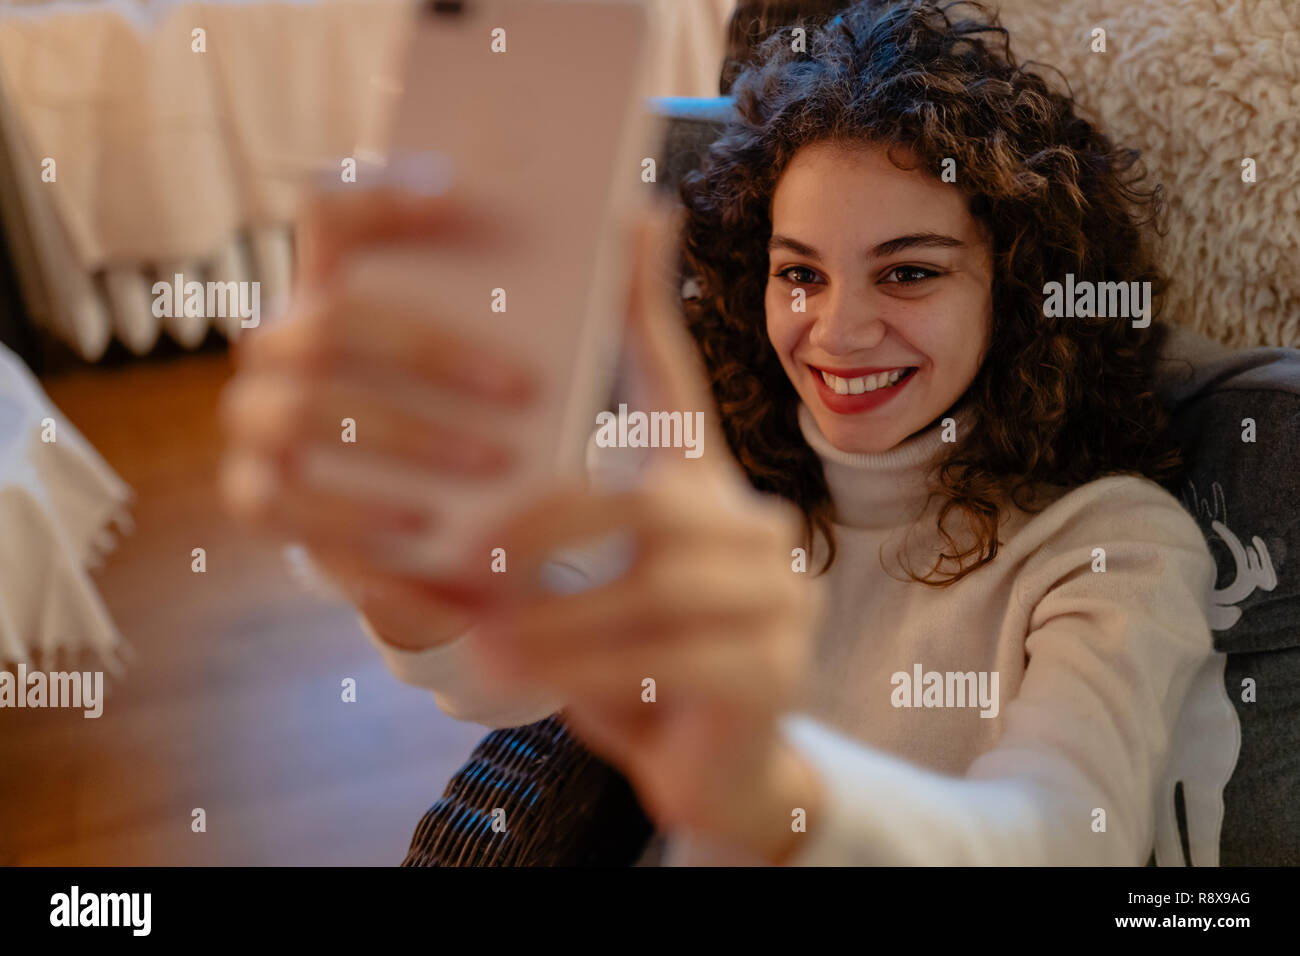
pixel 860 441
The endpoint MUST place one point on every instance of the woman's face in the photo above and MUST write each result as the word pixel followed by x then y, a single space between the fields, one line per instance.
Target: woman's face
pixel 897 287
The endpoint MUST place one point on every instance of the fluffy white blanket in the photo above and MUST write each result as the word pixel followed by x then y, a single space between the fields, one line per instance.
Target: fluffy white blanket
pixel 1200 86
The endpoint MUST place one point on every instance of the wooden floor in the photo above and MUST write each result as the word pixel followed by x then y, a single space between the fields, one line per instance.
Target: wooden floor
pixel 232 702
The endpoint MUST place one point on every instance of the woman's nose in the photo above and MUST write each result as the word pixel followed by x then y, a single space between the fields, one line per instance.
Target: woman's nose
pixel 845 324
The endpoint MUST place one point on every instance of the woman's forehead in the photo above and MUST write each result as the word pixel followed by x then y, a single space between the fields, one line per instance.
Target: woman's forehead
pixel 859 191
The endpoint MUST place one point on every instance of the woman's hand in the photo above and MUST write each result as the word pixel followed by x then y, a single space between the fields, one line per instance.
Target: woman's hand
pixel 711 612
pixel 339 352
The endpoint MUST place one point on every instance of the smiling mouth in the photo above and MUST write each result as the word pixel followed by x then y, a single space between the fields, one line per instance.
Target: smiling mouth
pixel 862 384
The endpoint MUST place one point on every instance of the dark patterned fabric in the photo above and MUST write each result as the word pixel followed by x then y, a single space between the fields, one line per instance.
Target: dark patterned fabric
pixel 559 806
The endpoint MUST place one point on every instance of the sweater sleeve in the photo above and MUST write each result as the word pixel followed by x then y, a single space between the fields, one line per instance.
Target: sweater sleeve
pixel 460 688
pixel 1110 659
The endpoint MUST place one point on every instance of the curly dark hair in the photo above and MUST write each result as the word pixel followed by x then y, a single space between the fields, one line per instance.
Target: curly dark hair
pixel 753 21
pixel 1068 400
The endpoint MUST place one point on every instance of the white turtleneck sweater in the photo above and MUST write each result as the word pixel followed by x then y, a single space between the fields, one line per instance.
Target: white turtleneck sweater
pixel 1060 761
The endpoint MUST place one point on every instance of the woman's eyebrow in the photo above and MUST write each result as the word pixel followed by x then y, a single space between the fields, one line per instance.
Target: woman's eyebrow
pixel 889 247
pixel 932 240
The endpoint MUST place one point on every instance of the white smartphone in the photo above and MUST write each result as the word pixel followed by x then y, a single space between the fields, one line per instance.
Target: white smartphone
pixel 539 108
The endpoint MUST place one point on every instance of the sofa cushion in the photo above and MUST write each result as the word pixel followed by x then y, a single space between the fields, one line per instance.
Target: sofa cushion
pixel 690 125
pixel 1243 493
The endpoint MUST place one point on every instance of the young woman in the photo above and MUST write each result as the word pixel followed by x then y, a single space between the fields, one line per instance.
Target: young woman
pixel 929 603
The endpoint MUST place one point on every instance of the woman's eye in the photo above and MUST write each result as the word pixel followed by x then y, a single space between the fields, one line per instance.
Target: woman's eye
pixel 916 273
pixel 799 275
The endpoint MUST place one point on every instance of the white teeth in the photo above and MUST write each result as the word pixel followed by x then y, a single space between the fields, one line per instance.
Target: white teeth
pixel 863 383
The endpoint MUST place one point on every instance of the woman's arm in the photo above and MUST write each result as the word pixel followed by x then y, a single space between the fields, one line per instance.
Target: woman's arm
pixel 459 689
pixel 446 666
pixel 1111 656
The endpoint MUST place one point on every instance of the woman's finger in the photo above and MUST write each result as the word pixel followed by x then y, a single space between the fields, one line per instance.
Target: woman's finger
pixel 274 412
pixel 719 666
pixel 678 511
pixel 394 603
pixel 658 601
pixel 333 222
pixel 373 329
pixel 270 496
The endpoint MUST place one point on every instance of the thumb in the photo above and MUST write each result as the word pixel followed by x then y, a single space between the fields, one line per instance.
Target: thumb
pixel 667 370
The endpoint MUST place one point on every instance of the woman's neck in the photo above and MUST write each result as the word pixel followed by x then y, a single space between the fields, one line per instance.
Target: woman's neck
pixel 883 490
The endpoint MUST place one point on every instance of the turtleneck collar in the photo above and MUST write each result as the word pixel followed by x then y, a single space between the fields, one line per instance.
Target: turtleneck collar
pixel 882 490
